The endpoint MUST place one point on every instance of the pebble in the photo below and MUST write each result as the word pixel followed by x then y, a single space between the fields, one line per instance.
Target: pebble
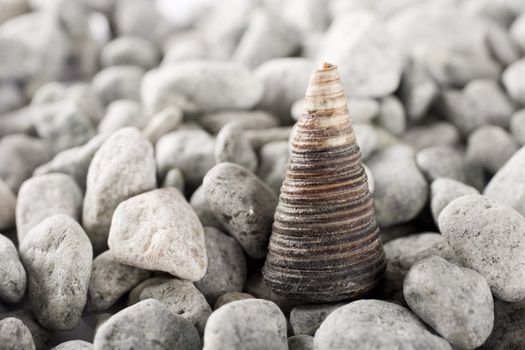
pixel 434 134
pixel 57 255
pixel 243 204
pixel 122 113
pixel 174 178
pixel 392 116
pixel 159 230
pixel 110 280
pixel 123 166
pixel 74 345
pixel 46 195
pixel 192 86
pixel 443 191
pixel 363 110
pixel 490 156
pixel 374 324
pixel 454 301
pixel 146 325
pixel 472 225
pixel 12 274
pixel 163 122
pixel 259 138
pixel 203 210
pixel 14 335
pixel 517 31
pixel 358 41
pixel 233 146
pixel 230 297
pixel 507 185
pixel 273 159
pixel 517 126
pixel 191 151
pixel 501 45
pixel 180 297
pixel 306 319
pixel 367 139
pixel 509 322
pixel 441 161
pixel 23 154
pixel 41 337
pixel 301 342
pixel 245 325
pixel 418 90
pixel 248 120
pixel 130 50
pixel 400 190
pixel 513 78
pixel 118 83
pixel 227 267
pixel 8 207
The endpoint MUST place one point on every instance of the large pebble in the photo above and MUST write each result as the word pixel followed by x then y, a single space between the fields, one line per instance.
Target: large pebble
pixel 433 134
pixel 246 325
pixel 130 50
pixel 158 230
pixel 46 195
pixel 454 301
pixel 517 126
pixel 513 80
pixel 162 123
pixel 8 207
pixel 247 119
pixel 509 323
pixel 488 237
pixel 110 280
pixel 233 146
pixel 14 335
pixel 373 325
pixel 443 191
pixel 226 266
pixel 118 83
pixel 244 205
pixel 440 161
pixel 306 319
pixel 123 166
pixel 400 189
pixel 273 161
pixel 146 325
pixel 12 274
pixel 200 86
pixel 57 255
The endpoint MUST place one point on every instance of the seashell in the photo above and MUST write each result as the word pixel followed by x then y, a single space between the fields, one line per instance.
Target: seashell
pixel 325 243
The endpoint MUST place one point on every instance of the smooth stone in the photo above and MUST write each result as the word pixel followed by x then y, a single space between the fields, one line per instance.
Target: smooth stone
pixel 418 90
pixel 203 210
pixel 180 297
pixel 517 31
pixel 227 267
pixel 118 83
pixel 367 139
pixel 123 167
pixel 23 154
pixel 14 335
pixel 232 146
pixel 248 120
pixel 159 230
pixel 110 280
pixel 13 278
pixel 8 207
pixel 454 301
pixel 301 342
pixel 392 115
pixel 41 337
pixel 130 50
pixel 375 324
pixel 509 322
pixel 513 78
pixel 230 297
pixel 243 204
pixel 146 325
pixel 43 196
pixel 439 161
pixel 273 159
pixel 200 86
pixel 246 325
pixel 488 237
pixel 490 156
pixel 191 151
pixel 400 190
pixel 507 185
pixel 120 114
pixel 163 122
pixel 443 191
pixel 74 345
pixel 517 126
pixel 306 319
pixel 57 255
pixel 174 178
pixel 434 134
pixel 501 44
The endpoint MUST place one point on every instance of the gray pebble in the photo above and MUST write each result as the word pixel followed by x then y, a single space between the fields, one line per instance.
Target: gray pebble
pixel 230 297
pixel 301 342
pixel 363 110
pixel 454 301
pixel 246 325
pixel 375 324
pixel 180 297
pixel 41 337
pixel 200 86
pixel 247 119
pixel 57 255
pixel 509 323
pixel 203 210
pixel 14 335
pixel 418 90
pixel 110 280
pixel 118 83
pixel 434 134
pixel 12 274
pixel 273 162
pixel 513 79
pixel 517 126
pixel 400 189
pixel 23 154
pixel 74 345
pixel 490 156
pixel 306 319
pixel 243 204
pixel 392 116
pixel 443 191
pixel 367 139
pixel 146 325
pixel 232 146
pixel 130 50
pixel 471 225
pixel 163 122
pixel 174 178
pixel 158 230
pixel 517 31
pixel 123 166
pixel 8 207
pixel 43 196
pixel 261 137
pixel 226 266
pixel 441 161
pixel 508 185
pixel 191 151
pixel 122 113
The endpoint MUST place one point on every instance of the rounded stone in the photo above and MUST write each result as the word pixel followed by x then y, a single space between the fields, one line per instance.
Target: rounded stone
pixel 439 161
pixel 233 146
pixel 118 83
pixel 443 191
pixel 13 278
pixel 490 155
pixel 203 210
pixel 122 113
pixel 163 122
pixel 513 79
pixel 14 335
pixel 130 50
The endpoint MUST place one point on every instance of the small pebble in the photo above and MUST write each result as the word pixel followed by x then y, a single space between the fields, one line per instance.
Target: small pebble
pixel 454 301
pixel 174 178
pixel 363 110
pixel 392 116
pixel 418 90
pixel 8 207
pixel 306 319
pixel 443 191
pixel 13 278
pixel 517 126
pixel 301 342
pixel 273 162
pixel 41 337
pixel 74 345
pixel 118 83
pixel 259 138
pixel 248 120
pixel 441 161
pixel 230 297
pixel 434 134
pixel 14 335
pixel 517 31
pixel 513 80
pixel 167 120
pixel 122 113
pixel 233 146
pixel 130 50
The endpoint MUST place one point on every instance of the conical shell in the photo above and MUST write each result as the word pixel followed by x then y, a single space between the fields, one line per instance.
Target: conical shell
pixel 325 243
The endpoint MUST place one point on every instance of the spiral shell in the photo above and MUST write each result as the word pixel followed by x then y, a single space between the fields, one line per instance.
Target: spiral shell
pixel 325 243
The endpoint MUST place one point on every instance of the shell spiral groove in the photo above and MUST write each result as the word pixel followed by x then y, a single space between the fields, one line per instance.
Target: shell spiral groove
pixel 325 243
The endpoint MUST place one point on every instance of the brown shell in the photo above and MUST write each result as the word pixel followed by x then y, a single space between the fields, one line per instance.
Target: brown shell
pixel 325 243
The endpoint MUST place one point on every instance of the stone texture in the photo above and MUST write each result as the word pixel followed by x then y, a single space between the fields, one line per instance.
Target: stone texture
pixel 490 155
pixel 12 274
pixel 122 113
pixel 443 191
pixel 14 335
